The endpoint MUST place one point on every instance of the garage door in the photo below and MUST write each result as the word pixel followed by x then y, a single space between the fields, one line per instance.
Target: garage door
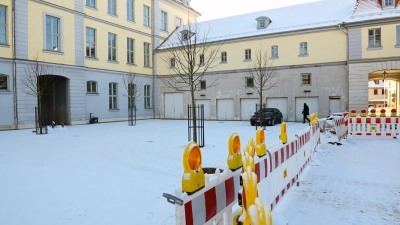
pixel 312 103
pixel 247 108
pixel 207 108
pixel 279 103
pixel 225 109
pixel 173 105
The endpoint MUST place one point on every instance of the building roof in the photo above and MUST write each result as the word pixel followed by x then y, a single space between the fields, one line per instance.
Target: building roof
pixel 372 9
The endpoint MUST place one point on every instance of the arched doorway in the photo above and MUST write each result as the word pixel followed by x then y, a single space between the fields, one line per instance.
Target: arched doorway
pixel 384 90
pixel 54 101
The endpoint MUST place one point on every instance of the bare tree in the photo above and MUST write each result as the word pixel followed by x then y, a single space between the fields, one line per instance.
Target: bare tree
pixel 263 74
pixel 37 83
pixel 189 55
pixel 133 88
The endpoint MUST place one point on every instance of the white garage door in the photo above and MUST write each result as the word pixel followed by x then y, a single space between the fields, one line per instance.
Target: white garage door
pixel 225 109
pixel 173 105
pixel 279 103
pixel 312 103
pixel 207 107
pixel 247 108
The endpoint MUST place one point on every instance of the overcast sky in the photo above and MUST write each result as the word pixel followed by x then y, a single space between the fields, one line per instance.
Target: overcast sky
pixel 214 9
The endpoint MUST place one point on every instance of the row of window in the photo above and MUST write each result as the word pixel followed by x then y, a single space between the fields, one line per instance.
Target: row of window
pixel 113 94
pixel 130 13
pixel 375 37
pixel 383 91
pixel 305 80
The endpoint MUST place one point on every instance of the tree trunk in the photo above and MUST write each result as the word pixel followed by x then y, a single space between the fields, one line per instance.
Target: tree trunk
pixel 40 113
pixel 261 106
pixel 194 118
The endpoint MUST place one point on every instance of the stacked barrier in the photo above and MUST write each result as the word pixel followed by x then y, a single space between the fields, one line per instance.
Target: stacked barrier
pixel 277 171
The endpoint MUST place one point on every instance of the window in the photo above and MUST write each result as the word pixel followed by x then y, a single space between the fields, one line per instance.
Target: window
pixel 3 25
pixel 52 33
pixel 172 62
pixel 383 91
pixel 201 59
pixel 113 97
pixel 131 95
pixel 376 81
pixel 146 16
pixel 164 21
pixel 374 37
pixel 112 7
pixel 91 86
pixel 249 82
pixel 247 54
pixel 274 51
pixel 130 49
pixel 262 24
pixel 90 42
pixel 305 79
pixel 387 3
pixel 146 54
pixel 112 49
pixel 224 57
pixel 147 96
pixel 398 35
pixel 375 91
pixel 130 10
pixel 91 3
pixel 3 83
pixel 303 48
pixel 203 85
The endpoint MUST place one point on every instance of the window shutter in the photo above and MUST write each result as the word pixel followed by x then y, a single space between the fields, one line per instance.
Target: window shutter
pixel 380 2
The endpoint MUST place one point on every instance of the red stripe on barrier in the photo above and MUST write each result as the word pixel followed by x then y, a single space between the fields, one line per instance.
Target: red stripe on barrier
pixel 276 159
pixel 188 213
pixel 282 155
pixel 378 120
pixel 270 163
pixel 211 203
pixel 358 120
pixel 272 207
pixel 359 134
pixel 292 145
pixel 369 134
pixel 368 120
pixel 287 152
pixel 288 186
pixel 388 134
pixel 378 134
pixel 265 167
pixel 388 120
pixel 283 192
pixel 293 180
pixel 277 199
pixel 397 120
pixel 230 191
pixel 258 172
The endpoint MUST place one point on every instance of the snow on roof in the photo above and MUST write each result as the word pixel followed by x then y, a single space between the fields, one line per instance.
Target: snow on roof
pixel 370 10
pixel 323 13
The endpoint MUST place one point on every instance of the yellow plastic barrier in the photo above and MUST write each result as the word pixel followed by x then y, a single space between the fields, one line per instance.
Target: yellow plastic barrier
pixel 261 148
pixel 264 217
pixel 283 136
pixel 234 153
pixel 193 176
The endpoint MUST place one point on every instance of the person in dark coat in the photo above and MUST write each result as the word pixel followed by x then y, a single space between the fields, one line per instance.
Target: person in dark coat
pixel 306 112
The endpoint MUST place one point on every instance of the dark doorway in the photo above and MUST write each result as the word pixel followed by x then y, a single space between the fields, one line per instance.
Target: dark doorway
pixel 55 100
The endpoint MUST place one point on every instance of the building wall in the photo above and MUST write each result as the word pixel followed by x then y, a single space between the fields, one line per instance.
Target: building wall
pixel 6 49
pixel 388 41
pixel 6 96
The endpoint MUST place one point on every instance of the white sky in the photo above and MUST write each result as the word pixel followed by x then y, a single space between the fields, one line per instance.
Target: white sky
pixel 214 9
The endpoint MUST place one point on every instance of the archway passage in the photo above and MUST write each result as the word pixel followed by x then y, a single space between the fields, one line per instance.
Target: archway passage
pixel 384 90
pixel 55 99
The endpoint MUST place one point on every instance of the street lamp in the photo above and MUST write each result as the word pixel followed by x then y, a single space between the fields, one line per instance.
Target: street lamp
pixel 384 75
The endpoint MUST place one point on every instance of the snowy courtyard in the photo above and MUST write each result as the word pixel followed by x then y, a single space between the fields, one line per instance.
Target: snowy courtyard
pixel 112 173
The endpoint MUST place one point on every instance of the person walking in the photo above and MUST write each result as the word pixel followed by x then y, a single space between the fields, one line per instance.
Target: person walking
pixel 306 112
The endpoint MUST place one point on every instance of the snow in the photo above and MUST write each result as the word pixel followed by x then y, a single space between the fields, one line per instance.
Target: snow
pixel 113 173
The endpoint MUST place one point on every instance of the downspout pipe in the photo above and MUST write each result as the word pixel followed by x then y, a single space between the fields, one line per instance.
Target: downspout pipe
pixel 347 66
pixel 14 67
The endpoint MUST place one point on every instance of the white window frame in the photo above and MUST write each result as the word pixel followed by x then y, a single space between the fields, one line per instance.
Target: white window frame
pixel 248 83
pixel 4 25
pixel 130 50
pixel 388 3
pixel 92 3
pixel 112 7
pixel 146 16
pixel 146 53
pixel 247 54
pixel 274 51
pixel 203 85
pixel 304 79
pixel 90 42
pixel 224 57
pixel 113 95
pixel 7 78
pixel 164 21
pixel 303 48
pixel 111 47
pixel 147 96
pixel 130 10
pixel 398 35
pixel 89 87
pixel 58 48
pixel 262 24
pixel 201 60
pixel 373 38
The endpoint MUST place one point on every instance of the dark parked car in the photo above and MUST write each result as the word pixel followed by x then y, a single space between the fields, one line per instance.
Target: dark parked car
pixel 271 116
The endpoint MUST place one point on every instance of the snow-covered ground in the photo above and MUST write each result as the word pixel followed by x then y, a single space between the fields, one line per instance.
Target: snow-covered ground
pixel 115 174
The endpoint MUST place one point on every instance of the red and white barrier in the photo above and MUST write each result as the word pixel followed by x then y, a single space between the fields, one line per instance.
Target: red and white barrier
pixel 374 126
pixel 276 173
pixel 340 128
